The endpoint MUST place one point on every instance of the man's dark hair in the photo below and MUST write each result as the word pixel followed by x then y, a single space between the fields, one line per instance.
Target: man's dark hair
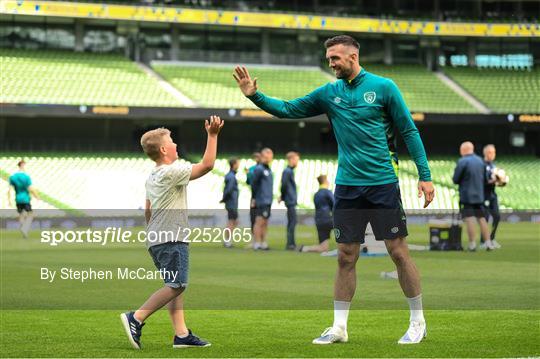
pixel 321 179
pixel 232 161
pixel 21 163
pixel 342 40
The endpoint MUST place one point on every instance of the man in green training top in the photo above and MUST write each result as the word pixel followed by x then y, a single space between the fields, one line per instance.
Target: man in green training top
pixel 365 110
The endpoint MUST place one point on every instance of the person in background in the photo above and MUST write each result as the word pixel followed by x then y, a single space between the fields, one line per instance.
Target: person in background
pixel 324 202
pixel 22 183
pixel 263 190
pixel 289 196
pixel 470 175
pixel 256 156
pixel 230 198
pixel 491 199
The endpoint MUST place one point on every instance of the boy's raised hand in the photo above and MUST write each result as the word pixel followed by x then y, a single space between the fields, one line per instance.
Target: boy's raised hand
pixel 213 125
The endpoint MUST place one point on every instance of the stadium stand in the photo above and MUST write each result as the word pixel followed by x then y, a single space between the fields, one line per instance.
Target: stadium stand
pixel 71 78
pixel 86 181
pixel 422 90
pixel 213 85
pixel 502 90
pixel 55 77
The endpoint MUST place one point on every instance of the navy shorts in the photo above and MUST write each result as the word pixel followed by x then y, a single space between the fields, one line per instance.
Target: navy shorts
pixel 232 214
pixel 24 207
pixel 356 206
pixel 323 230
pixel 172 258
pixel 263 211
pixel 477 210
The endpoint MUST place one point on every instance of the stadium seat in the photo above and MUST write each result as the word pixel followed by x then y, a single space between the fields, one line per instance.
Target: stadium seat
pixel 71 78
pixel 213 85
pixel 83 182
pixel 503 91
pixel 422 90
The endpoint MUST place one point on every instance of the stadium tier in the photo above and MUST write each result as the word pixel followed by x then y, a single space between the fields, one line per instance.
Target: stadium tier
pixel 422 90
pixel 503 91
pixel 214 86
pixel 71 78
pixel 117 182
pixel 211 85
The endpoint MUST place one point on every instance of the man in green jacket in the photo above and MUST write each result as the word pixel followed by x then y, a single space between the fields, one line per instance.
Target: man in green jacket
pixel 365 111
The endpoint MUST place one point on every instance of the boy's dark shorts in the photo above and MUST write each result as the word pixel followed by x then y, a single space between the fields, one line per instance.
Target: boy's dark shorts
pixel 173 259
pixel 263 211
pixel 356 206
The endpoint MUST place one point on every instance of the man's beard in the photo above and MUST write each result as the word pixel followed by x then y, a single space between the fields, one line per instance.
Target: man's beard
pixel 343 74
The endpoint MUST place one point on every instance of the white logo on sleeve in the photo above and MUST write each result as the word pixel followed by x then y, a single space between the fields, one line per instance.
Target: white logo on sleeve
pixel 337 99
pixel 370 96
pixel 266 173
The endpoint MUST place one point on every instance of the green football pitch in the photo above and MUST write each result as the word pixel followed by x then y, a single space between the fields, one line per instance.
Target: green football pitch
pixel 272 304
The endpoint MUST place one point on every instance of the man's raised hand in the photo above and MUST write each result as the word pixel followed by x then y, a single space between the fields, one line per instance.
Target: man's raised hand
pixel 244 81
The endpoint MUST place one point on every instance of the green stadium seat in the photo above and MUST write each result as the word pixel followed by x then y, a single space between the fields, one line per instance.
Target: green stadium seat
pixel 422 90
pixel 214 86
pixel 83 182
pixel 503 91
pixel 70 78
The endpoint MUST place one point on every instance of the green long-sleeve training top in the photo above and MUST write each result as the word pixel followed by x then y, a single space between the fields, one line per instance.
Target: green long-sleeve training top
pixel 365 113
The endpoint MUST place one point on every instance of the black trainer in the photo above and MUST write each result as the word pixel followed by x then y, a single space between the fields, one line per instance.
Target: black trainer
pixel 190 341
pixel 133 329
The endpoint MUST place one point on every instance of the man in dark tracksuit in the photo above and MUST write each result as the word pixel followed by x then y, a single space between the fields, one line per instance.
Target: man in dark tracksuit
pixel 256 156
pixel 263 193
pixel 230 198
pixel 492 201
pixel 289 196
pixel 470 175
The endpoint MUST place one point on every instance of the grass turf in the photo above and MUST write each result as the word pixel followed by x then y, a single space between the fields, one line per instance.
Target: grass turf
pixel 273 304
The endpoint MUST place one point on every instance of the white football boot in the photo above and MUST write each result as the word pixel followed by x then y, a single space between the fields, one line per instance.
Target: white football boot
pixel 415 333
pixel 332 335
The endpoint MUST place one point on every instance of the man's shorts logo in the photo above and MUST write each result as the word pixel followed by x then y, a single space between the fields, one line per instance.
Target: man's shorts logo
pixel 337 233
pixel 265 213
pixel 337 99
pixel 369 97
pixel 394 230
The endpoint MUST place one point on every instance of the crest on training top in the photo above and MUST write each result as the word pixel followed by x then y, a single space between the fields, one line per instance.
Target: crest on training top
pixel 369 97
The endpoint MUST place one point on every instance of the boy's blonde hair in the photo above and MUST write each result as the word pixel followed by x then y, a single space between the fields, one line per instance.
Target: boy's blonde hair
pixel 151 142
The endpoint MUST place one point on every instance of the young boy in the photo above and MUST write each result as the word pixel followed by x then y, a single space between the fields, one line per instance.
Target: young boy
pixel 166 206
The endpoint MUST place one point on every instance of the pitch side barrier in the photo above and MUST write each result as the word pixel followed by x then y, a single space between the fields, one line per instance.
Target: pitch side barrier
pixel 236 114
